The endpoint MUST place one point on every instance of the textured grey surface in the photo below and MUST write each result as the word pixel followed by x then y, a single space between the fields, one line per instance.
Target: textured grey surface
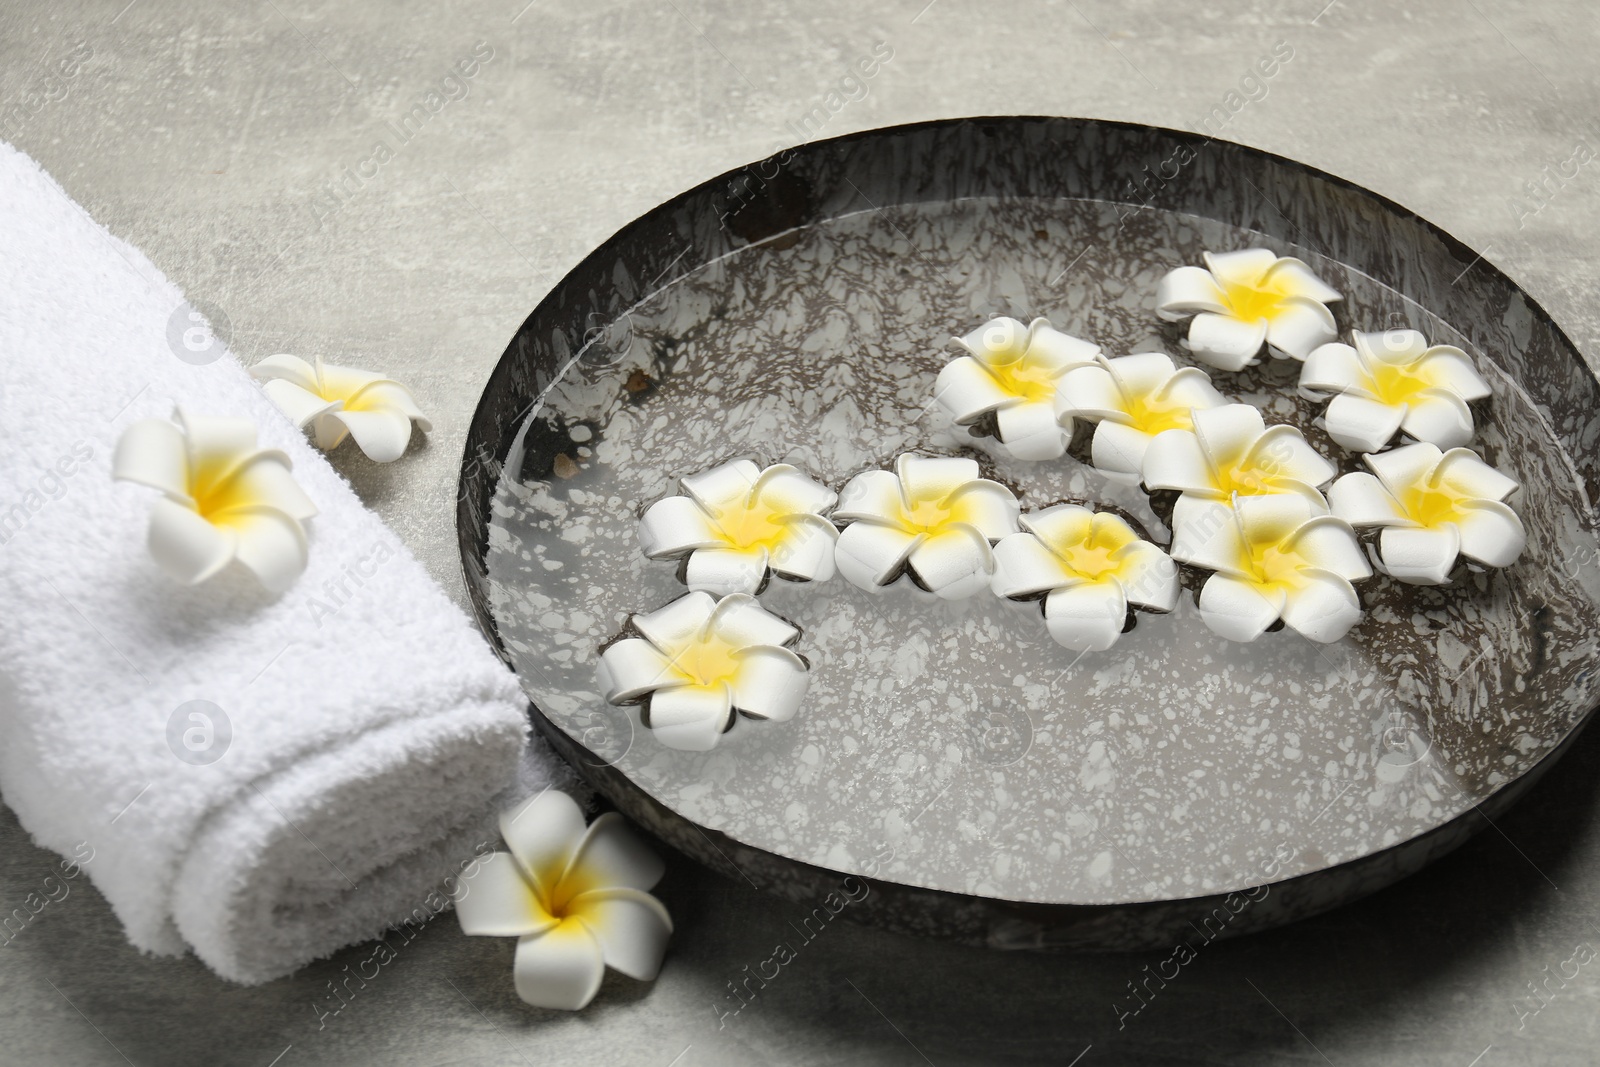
pixel 210 136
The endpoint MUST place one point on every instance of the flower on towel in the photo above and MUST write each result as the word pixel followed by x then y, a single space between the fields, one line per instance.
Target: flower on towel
pixel 1133 398
pixel 1433 506
pixel 335 401
pixel 930 519
pixel 1090 568
pixel 1242 300
pixel 1232 451
pixel 1391 382
pixel 223 500
pixel 738 522
pixel 576 899
pixel 1276 557
pixel 1013 372
pixel 701 663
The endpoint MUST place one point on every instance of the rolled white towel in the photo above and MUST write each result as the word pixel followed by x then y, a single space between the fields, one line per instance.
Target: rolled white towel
pixel 364 727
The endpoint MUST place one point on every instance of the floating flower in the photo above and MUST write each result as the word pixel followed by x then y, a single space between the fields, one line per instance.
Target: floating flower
pixel 1394 381
pixel 930 519
pixel 703 662
pixel 224 499
pixel 1133 398
pixel 738 522
pixel 335 401
pixel 1012 372
pixel 1232 451
pixel 1091 567
pixel 1275 557
pixel 1434 506
pixel 576 899
pixel 1244 299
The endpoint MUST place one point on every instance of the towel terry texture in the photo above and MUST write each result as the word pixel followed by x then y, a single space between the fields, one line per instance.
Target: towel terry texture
pixel 368 726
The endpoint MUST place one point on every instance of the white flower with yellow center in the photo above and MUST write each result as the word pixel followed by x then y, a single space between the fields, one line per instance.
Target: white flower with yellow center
pixel 1231 451
pixel 701 663
pixel 335 401
pixel 576 899
pixel 930 520
pixel 1390 382
pixel 1090 567
pixel 225 500
pixel 1275 557
pixel 1242 300
pixel 1133 398
pixel 1433 506
pixel 739 522
pixel 1013 372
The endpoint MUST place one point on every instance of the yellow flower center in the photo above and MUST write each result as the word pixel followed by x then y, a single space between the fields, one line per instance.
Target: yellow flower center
pixel 1397 383
pixel 1270 567
pixel 1152 414
pixel 1252 301
pixel 1088 549
pixel 1431 505
pixel 1019 377
pixel 706 662
pixel 754 525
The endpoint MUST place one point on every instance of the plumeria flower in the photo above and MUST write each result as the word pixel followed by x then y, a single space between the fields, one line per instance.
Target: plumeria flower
pixel 1433 506
pixel 1090 567
pixel 1242 300
pixel 1012 372
pixel 701 663
pixel 1390 382
pixel 1133 398
pixel 739 522
pixel 334 401
pixel 224 499
pixel 1275 557
pixel 1232 451
pixel 576 899
pixel 930 519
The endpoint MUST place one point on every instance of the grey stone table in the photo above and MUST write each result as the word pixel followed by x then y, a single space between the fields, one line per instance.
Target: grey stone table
pixel 239 145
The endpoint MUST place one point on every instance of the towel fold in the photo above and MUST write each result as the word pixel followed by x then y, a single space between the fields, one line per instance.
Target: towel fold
pixel 263 779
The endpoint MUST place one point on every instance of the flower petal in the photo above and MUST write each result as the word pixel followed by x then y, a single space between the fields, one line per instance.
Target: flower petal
pixel 1390 346
pixel 1329 544
pixel 933 478
pixel 988 507
pixel 1363 425
pixel 869 555
pixel 770 683
pixel 216 444
pixel 611 856
pixel 1405 466
pixel 1176 460
pixel 1142 373
pixel 1301 281
pixel 1224 342
pixel 1092 392
pixel 328 432
pixel 806 551
pixel 1323 607
pixel 152 452
pixel 1186 290
pixel 955 563
pixel 271 544
pixel 1491 533
pixel 725 485
pixel 1461 470
pixel 632 929
pixel 1272 517
pixel 1206 534
pixel 1282 453
pixel 300 405
pixel 871 495
pixel 1439 417
pixel 998 340
pixel 1245 267
pixel 1022 566
pixel 1299 326
pixel 721 571
pixel 560 968
pixel 632 667
pixel 789 490
pixel 291 370
pixel 1119 450
pixel 1420 557
pixel 965 390
pixel 499 901
pixel 1238 610
pixel 1030 430
pixel 1190 387
pixel 1087 617
pixel 261 480
pixel 1361 500
pixel 1332 368
pixel 1148 575
pixel 1450 368
pixel 381 434
pixel 1061 525
pixel 691 718
pixel 674 525
pixel 741 621
pixel 1227 432
pixel 682 620
pixel 1057 352
pixel 542 833
pixel 184 545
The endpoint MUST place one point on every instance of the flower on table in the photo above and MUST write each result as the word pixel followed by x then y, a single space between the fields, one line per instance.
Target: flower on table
pixel 1434 507
pixel 1013 372
pixel 1091 567
pixel 1391 382
pixel 703 662
pixel 1274 557
pixel 1134 398
pixel 224 500
pixel 1244 300
pixel 932 520
pixel 576 899
pixel 738 523
pixel 338 401
pixel 1231 451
